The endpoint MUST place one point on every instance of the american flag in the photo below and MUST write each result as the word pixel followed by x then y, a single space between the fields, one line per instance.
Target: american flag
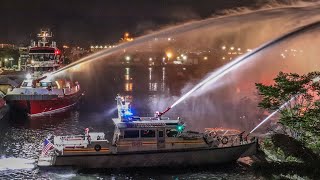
pixel 47 145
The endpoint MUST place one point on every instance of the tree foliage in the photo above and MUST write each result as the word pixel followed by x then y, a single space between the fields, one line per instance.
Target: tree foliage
pixel 297 97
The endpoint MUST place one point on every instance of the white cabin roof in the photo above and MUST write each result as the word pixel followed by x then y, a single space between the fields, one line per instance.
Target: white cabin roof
pixel 141 122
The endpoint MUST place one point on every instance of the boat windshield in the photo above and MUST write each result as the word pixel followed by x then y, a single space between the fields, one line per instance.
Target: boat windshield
pixel 171 132
pixel 42 57
pixel 41 69
pixel 26 84
pixel 42 51
pixel 45 84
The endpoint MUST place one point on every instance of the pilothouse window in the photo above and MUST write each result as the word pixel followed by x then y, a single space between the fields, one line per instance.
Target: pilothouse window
pixel 131 134
pixel 45 84
pixel 171 132
pixel 148 133
pixel 26 84
pixel 42 57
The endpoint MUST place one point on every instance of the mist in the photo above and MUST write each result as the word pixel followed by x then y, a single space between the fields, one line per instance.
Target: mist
pixel 232 101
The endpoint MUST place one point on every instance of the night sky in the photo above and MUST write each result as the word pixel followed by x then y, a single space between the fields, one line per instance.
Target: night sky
pixel 99 21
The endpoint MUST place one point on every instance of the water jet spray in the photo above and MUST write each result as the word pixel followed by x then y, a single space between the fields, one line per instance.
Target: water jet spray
pixel 316 79
pixel 241 60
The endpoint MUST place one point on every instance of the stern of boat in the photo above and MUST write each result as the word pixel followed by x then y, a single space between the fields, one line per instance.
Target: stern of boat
pixel 46 160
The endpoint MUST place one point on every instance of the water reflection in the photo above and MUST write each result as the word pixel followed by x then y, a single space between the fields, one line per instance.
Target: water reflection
pixel 128 80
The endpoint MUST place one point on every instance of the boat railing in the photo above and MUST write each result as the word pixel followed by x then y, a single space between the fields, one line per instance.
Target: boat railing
pixel 71 90
pixel 74 140
pixel 78 141
pixel 47 159
pixel 224 138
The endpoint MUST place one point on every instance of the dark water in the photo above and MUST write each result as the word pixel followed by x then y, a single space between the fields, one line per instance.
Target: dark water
pixel 21 137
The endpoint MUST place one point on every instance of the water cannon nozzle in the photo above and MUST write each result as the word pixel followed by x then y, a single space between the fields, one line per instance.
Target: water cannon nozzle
pixel 159 114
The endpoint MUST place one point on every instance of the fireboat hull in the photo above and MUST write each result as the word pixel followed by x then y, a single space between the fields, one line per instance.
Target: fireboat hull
pixel 159 158
pixel 45 107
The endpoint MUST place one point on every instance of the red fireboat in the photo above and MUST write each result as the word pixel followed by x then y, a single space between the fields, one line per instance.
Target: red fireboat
pixel 39 94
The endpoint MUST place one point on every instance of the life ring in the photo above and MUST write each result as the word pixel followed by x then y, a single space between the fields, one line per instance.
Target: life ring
pixel 97 147
pixel 213 134
pixel 224 140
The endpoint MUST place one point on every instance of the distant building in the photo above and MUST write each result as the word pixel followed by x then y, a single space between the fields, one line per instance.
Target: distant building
pixel 126 38
pixel 9 46
pixel 23 58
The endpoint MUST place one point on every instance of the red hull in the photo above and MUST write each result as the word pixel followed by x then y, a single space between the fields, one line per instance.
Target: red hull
pixel 43 107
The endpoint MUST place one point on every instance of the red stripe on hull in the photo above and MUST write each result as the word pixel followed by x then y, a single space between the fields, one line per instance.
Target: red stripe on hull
pixel 41 107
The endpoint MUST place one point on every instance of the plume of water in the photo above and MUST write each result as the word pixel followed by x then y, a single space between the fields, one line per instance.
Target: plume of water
pixel 191 30
pixel 16 163
pixel 232 100
pixel 317 79
pixel 215 76
pixel 272 114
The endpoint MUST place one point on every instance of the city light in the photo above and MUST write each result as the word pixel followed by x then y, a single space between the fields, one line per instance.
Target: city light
pixel 128 58
pixel 169 54
pixel 180 128
pixel 205 58
pixel 223 47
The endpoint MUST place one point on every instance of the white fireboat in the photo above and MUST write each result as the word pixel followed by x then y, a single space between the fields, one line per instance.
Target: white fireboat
pixel 147 142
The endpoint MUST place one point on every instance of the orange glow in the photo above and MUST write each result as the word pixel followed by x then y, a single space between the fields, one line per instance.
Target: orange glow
pixel 128 86
pixel 169 54
pixel 58 84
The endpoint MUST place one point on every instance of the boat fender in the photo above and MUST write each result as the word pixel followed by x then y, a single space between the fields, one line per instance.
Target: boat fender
pixel 224 140
pixel 213 134
pixel 97 147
